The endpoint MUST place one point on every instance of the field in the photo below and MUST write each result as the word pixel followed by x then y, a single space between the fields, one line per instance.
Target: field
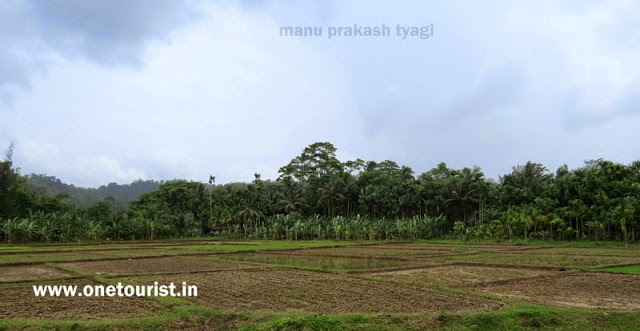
pixel 327 285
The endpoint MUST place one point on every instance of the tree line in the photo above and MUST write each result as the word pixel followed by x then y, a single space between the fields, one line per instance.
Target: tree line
pixel 316 196
pixel 120 194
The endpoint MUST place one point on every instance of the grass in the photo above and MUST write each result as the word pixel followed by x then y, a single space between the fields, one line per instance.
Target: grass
pixel 34 258
pixel 315 263
pixel 13 248
pixel 180 313
pixel 532 317
pixel 528 242
pixel 264 245
pixel 634 269
pixel 566 261
pixel 629 251
pixel 519 317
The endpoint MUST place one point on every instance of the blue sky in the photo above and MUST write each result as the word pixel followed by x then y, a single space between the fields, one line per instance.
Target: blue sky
pixel 112 91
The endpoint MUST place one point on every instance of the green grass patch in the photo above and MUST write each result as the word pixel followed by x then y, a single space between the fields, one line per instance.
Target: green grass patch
pixel 522 317
pixel 634 269
pixel 629 251
pixel 314 262
pixel 264 245
pixel 565 261
pixel 13 248
pixel 533 317
pixel 527 242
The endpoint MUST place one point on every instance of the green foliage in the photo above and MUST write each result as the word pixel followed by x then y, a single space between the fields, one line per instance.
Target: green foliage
pixel 121 194
pixel 634 269
pixel 319 197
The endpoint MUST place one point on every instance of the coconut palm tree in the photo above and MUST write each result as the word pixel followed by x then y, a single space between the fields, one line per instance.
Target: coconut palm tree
pixel 331 194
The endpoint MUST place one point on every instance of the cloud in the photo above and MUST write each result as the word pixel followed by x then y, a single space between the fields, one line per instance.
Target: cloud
pixel 86 169
pixel 34 34
pixel 595 50
pixel 82 170
pixel 188 89
pixel 225 96
pixel 107 31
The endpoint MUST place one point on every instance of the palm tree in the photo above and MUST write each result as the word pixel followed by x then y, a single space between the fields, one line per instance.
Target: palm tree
pixel 331 194
pixel 292 198
pixel 531 175
pixel 371 165
pixel 212 180
pixel 251 209
pixel 406 173
pixel 462 195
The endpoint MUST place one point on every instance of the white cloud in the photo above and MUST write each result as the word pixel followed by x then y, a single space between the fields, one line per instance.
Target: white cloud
pixel 82 170
pixel 86 169
pixel 226 96
pixel 597 60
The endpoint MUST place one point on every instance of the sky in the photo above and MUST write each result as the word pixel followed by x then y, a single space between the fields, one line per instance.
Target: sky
pixel 117 90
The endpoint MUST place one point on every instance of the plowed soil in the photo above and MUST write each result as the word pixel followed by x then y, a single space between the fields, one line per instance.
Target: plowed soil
pixel 541 259
pixel 456 275
pixel 480 247
pixel 575 289
pixel 28 258
pixel 376 252
pixel 318 262
pixel 30 272
pixel 283 290
pixel 18 301
pixel 175 264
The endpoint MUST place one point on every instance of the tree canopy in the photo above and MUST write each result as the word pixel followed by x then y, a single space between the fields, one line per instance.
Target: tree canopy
pixel 318 196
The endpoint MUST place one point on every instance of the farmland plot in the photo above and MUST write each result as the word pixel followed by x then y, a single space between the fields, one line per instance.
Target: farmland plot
pixel 419 280
pixel 304 291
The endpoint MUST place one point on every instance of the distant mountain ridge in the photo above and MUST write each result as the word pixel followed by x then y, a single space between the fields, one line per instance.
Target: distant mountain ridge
pixel 120 193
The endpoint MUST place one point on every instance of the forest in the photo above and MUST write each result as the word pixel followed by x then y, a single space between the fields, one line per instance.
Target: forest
pixel 316 196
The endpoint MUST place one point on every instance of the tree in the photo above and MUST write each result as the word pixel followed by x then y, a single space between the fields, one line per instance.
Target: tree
pixel 316 161
pixel 331 194
pixel 9 183
pixel 292 199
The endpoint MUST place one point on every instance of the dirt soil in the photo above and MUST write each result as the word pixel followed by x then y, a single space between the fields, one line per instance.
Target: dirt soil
pixel 456 275
pixel 18 301
pixel 30 272
pixel 157 265
pixel 485 247
pixel 405 247
pixel 376 252
pixel 574 289
pixel 286 290
pixel 98 255
pixel 148 243
pixel 341 263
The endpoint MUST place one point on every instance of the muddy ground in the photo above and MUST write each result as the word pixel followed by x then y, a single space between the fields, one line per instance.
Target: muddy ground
pixel 457 275
pixel 574 289
pixel 384 278
pixel 286 290
pixel 177 264
pixel 18 300
pixel 30 272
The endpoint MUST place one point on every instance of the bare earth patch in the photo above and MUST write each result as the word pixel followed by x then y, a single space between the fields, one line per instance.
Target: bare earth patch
pixel 456 275
pixel 18 301
pixel 30 272
pixel 342 263
pixel 575 289
pixel 30 258
pixel 479 247
pixel 305 291
pixel 380 251
pixel 156 265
